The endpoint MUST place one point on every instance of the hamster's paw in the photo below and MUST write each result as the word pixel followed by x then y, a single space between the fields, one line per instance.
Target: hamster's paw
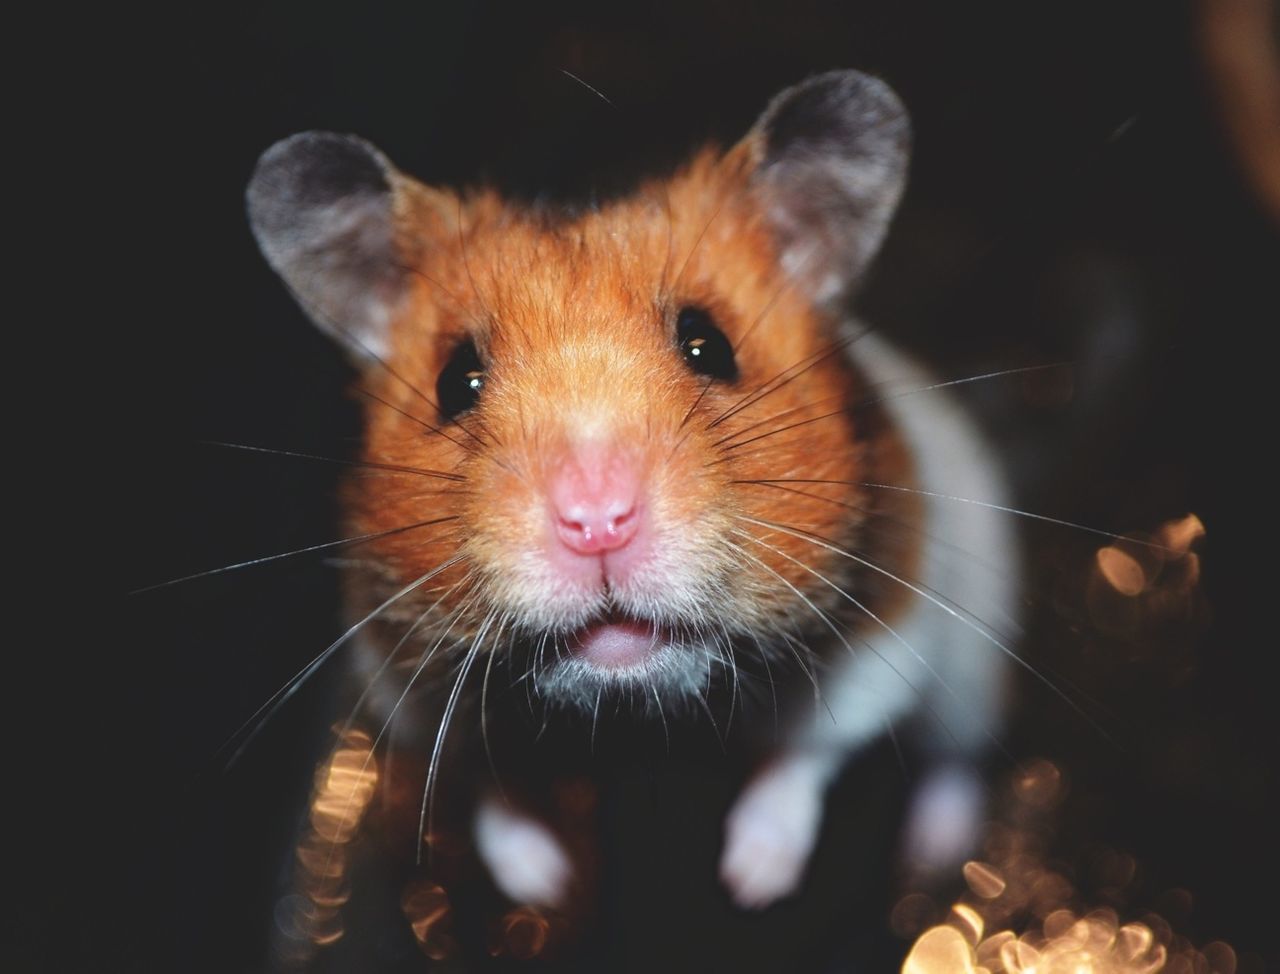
pixel 944 819
pixel 770 834
pixel 526 860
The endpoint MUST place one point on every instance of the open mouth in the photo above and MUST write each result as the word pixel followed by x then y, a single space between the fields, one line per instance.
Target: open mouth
pixel 617 643
pixel 616 652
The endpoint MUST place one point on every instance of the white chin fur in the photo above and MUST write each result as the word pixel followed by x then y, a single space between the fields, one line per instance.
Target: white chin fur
pixel 669 676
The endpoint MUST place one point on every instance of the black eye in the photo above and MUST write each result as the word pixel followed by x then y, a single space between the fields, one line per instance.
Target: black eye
pixel 460 381
pixel 705 346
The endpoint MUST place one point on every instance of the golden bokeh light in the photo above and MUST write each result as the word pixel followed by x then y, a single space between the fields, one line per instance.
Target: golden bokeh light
pixel 522 933
pixel 311 917
pixel 426 906
pixel 983 880
pixel 1179 534
pixel 1142 584
pixel 1017 889
pixel 1121 570
pixel 941 950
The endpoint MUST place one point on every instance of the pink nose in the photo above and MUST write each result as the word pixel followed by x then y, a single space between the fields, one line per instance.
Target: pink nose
pixel 594 502
pixel 593 532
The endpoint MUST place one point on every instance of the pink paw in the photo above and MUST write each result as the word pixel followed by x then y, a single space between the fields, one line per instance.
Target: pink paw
pixel 769 836
pixel 526 860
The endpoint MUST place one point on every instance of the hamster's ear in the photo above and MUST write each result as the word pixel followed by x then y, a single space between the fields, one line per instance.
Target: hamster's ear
pixel 324 209
pixel 829 161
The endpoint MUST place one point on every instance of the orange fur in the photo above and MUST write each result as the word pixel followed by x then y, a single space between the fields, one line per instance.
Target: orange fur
pixel 575 320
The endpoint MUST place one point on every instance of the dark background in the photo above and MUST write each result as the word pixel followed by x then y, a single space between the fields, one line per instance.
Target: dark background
pixel 1073 198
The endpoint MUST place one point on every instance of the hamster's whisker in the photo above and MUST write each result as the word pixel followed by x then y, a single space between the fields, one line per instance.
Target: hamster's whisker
pixel 419 272
pixel 776 416
pixel 897 750
pixel 764 388
pixel 949 383
pixel 433 768
pixel 731 665
pixel 935 541
pixel 919 658
pixel 787 284
pixel 595 717
pixel 484 702
pixel 486 454
pixel 666 733
pixel 466 266
pixel 666 261
pixel 389 661
pixel 962 615
pixel 773 686
pixel 873 519
pixel 783 429
pixel 696 244
pixel 262 716
pixel 526 678
pixel 265 559
pixel 367 464
pixel 977 503
pixel 591 88
pixel 390 718
pixel 822 616
pixel 541 660
pixel 791 642
pixel 917 691
pixel 692 409
pixel 719 622
pixel 374 356
pixel 408 415
pixel 706 709
pixel 795 645
pixel 783 378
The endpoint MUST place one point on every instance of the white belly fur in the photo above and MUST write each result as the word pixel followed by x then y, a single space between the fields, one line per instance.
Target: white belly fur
pixel 938 665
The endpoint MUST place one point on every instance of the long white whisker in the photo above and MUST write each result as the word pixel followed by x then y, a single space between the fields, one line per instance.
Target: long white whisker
pixel 395 651
pixel 262 716
pixel 887 628
pixel 386 724
pixel 971 623
pixel 897 749
pixel 433 768
pixel 595 716
pixel 831 625
pixel 826 619
pixel 484 702
pixel 265 559
pixel 1001 373
pixel 977 503
pixel 662 716
pixel 706 709
pixel 900 523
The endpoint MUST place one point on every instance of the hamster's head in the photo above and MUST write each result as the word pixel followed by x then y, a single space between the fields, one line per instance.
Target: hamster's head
pixel 621 444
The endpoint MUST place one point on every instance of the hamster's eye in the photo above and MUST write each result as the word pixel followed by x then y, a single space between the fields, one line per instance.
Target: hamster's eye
pixel 460 381
pixel 704 346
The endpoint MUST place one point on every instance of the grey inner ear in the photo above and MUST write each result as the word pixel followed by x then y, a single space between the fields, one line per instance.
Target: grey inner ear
pixel 833 157
pixel 322 207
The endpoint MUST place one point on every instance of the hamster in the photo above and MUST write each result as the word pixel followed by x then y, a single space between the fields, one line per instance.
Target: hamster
pixel 621 456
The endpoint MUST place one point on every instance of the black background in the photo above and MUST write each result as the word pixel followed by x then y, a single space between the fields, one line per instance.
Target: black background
pixel 1072 198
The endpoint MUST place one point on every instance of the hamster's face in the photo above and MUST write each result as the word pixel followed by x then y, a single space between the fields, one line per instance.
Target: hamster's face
pixel 615 394
pixel 630 440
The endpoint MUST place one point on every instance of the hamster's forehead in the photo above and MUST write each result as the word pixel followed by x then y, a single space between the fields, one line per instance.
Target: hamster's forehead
pixel 521 281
